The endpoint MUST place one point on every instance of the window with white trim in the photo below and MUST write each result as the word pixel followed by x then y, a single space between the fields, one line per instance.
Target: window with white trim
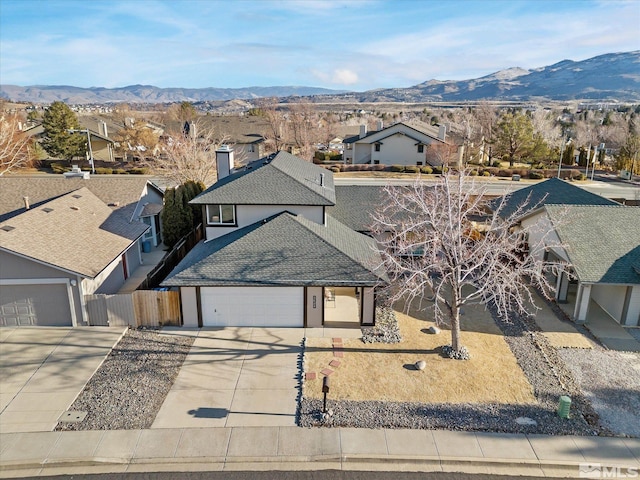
pixel 221 214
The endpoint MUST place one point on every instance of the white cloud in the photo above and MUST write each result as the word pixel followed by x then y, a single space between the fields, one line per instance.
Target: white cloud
pixel 345 77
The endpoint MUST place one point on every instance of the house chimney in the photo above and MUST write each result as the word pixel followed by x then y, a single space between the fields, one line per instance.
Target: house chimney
pixel 27 206
pixel 442 132
pixel 224 161
pixel 363 131
pixel 380 125
pixel 102 129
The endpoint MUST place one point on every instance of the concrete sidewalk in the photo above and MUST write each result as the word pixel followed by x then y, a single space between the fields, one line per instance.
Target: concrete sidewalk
pixel 294 448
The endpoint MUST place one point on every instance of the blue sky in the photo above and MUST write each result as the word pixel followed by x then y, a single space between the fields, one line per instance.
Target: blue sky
pixel 342 44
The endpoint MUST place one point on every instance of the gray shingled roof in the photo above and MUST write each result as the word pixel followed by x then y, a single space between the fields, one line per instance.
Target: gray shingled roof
pixel 123 190
pixel 420 127
pixel 603 242
pixel 552 191
pixel 355 205
pixel 284 249
pixel 76 232
pixel 280 179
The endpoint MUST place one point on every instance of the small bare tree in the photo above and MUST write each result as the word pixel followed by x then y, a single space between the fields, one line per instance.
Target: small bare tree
pixel 15 147
pixel 436 249
pixel 304 128
pixel 189 156
pixel 438 153
pixel 276 135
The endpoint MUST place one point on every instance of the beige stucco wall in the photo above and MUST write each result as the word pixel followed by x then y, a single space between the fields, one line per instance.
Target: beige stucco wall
pixel 368 306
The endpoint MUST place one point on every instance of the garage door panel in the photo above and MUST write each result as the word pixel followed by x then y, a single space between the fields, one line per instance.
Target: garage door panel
pixel 44 305
pixel 252 306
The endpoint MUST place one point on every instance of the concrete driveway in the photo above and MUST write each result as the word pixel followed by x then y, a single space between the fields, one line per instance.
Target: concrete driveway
pixel 235 377
pixel 43 369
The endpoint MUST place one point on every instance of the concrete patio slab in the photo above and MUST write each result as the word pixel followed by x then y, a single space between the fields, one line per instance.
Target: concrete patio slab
pixel 361 441
pixel 253 442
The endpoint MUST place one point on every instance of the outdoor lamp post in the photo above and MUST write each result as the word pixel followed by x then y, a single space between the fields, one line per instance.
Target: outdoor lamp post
pixel 93 168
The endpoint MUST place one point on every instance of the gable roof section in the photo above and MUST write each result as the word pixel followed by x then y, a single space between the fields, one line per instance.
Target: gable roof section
pixel 122 192
pixel 602 242
pixel 552 191
pixel 414 130
pixel 76 232
pixel 284 249
pixel 279 179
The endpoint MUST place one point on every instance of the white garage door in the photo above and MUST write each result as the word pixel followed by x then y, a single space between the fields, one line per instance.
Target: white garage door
pixel 252 306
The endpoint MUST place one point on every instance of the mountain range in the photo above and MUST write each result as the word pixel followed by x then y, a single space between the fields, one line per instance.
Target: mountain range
pixel 609 77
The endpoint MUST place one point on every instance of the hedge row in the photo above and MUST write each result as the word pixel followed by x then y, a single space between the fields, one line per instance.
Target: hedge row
pixel 537 174
pixel 58 168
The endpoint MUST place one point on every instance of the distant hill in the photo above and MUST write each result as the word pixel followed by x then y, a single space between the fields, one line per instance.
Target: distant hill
pixel 614 76
pixel 148 93
pixel 609 77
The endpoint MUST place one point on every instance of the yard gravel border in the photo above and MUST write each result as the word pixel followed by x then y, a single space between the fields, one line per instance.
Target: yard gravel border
pixel 128 389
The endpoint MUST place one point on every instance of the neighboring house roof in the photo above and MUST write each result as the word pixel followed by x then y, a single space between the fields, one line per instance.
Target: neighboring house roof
pixel 151 209
pixel 377 135
pixel 233 128
pixel 279 179
pixel 355 205
pixel 118 191
pixel 602 242
pixel 552 191
pixel 284 249
pixel 76 232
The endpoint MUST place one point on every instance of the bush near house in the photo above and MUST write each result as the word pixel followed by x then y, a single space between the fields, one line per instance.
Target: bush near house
pixel 411 169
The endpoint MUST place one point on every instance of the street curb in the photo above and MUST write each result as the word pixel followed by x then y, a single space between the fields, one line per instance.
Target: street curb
pixel 389 463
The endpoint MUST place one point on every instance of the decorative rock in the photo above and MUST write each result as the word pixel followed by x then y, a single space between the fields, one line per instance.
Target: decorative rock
pixel 421 364
pixel 433 330
pixel 526 421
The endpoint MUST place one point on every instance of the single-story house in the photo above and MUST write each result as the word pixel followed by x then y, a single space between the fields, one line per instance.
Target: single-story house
pixel 56 252
pixel 601 242
pixel 272 255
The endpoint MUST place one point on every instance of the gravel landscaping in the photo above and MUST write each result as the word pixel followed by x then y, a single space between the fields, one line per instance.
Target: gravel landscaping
pixel 131 384
pixel 544 369
pixel 611 381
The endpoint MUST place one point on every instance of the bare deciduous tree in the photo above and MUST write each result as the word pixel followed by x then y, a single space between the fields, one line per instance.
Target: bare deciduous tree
pixel 440 153
pixel 276 135
pixel 435 249
pixel 304 128
pixel 191 156
pixel 15 146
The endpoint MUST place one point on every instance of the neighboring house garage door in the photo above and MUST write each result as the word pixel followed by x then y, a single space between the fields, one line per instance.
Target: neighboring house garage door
pixel 252 306
pixel 44 305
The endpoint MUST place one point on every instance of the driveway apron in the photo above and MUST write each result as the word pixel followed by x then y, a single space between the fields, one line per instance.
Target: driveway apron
pixel 236 377
pixel 43 369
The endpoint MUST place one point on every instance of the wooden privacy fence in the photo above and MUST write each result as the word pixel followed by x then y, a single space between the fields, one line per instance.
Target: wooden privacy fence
pixel 142 308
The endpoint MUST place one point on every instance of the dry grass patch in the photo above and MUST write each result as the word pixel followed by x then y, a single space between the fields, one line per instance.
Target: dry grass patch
pixel 385 372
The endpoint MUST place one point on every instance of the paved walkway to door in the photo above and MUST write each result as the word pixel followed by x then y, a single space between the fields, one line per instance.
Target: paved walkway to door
pixel 235 377
pixel 43 369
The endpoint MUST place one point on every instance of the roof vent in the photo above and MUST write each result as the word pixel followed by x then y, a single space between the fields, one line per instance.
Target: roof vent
pixel 75 208
pixel 47 209
pixel 7 228
pixel 76 196
pixel 113 204
pixel 322 179
pixel 27 205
